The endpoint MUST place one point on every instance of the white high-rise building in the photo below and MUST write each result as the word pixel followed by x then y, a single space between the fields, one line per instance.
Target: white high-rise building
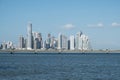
pixel 9 45
pixel 85 42
pixel 81 41
pixel 72 42
pixel 29 36
pixel 4 45
pixel 53 43
pixel 62 42
pixel 59 41
pixel 78 40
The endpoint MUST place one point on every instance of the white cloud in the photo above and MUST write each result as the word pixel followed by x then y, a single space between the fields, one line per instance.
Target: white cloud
pixel 68 26
pixel 100 25
pixel 96 25
pixel 115 24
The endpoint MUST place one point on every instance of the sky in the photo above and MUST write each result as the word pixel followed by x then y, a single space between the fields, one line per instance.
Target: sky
pixel 98 19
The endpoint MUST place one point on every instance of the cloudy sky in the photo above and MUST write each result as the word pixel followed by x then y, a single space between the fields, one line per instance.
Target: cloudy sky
pixel 98 19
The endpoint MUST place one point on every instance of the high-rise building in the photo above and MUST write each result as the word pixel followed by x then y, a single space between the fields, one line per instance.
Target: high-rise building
pixel 37 40
pixel 59 41
pixel 78 40
pixel 4 45
pixel 48 41
pixel 53 43
pixel 29 36
pixel 85 42
pixel 72 42
pixel 80 46
pixel 62 42
pixel 0 46
pixel 9 45
pixel 68 44
pixel 21 42
pixel 36 43
pixel 81 41
pixel 25 42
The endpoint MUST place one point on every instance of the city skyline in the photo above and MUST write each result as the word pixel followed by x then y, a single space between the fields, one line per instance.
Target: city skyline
pixel 34 41
pixel 99 20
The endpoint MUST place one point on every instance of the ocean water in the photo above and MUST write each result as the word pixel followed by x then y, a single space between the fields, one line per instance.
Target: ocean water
pixel 46 66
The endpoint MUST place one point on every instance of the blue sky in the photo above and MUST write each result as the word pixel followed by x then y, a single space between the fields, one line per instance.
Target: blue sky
pixel 98 19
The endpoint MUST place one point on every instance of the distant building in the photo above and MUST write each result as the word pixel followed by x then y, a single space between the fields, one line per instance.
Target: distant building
pixel 53 43
pixel 10 45
pixel 25 42
pixel 59 41
pixel 21 42
pixel 48 41
pixel 4 45
pixel 37 40
pixel 7 45
pixel 72 42
pixel 0 46
pixel 62 42
pixel 44 45
pixel 29 36
pixel 68 44
pixel 36 43
pixel 78 40
pixel 85 42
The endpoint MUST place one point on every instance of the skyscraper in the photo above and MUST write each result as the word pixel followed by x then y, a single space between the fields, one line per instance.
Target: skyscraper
pixel 85 41
pixel 59 41
pixel 81 41
pixel 29 36
pixel 21 42
pixel 48 41
pixel 37 40
pixel 72 42
pixel 78 40
pixel 4 45
pixel 62 42
pixel 53 43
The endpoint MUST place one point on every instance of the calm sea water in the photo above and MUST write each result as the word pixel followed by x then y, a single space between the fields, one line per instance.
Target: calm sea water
pixel 59 66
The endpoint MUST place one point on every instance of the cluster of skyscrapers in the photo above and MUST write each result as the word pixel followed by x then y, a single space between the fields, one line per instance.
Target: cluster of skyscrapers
pixel 35 41
pixel 7 45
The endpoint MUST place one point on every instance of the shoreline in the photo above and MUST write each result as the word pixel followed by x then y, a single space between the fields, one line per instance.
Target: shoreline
pixel 59 51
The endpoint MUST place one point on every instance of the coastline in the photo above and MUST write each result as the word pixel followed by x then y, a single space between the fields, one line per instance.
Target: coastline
pixel 59 51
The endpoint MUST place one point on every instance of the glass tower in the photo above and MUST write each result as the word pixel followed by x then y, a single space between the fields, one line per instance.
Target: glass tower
pixel 29 36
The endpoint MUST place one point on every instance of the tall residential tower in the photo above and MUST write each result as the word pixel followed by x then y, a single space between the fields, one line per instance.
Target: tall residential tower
pixel 62 41
pixel 21 42
pixel 72 42
pixel 29 36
